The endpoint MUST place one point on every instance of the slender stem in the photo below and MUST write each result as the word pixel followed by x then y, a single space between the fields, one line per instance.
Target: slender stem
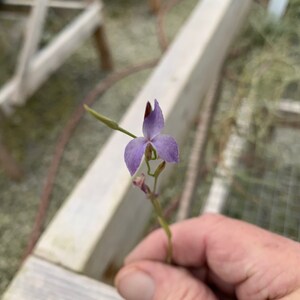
pixel 166 228
pixel 155 184
pixel 149 168
pixel 126 132
pixel 163 223
pixel 107 121
pixel 154 154
pixel 158 210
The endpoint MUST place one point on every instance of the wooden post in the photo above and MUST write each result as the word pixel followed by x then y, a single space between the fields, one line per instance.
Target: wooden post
pixel 154 5
pixel 50 58
pixel 31 42
pixel 277 8
pixel 40 280
pixel 103 48
pixel 62 4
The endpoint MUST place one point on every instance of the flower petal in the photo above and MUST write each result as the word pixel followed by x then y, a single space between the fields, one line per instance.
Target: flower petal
pixel 166 147
pixel 153 122
pixel 134 152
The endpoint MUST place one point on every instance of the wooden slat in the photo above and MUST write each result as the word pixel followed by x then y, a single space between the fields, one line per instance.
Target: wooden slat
pixel 289 107
pixel 277 8
pixel 40 280
pixel 32 38
pixel 104 216
pixel 221 183
pixel 51 57
pixel 52 3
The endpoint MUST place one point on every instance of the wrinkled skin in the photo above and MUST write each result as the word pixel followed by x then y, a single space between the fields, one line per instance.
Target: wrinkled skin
pixel 215 258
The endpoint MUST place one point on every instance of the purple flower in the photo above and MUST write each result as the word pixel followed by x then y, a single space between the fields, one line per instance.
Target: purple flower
pixel 165 146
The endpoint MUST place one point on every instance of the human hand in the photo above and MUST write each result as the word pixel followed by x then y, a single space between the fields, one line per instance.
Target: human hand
pixel 214 258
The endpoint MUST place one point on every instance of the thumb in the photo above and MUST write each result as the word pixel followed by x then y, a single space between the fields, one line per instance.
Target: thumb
pixel 148 280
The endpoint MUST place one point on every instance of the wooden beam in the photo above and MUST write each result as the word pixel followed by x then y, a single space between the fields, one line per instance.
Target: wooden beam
pixel 289 107
pixel 224 174
pixel 38 279
pixel 154 5
pixel 103 48
pixel 104 216
pixel 49 59
pixel 30 46
pixel 277 8
pixel 63 4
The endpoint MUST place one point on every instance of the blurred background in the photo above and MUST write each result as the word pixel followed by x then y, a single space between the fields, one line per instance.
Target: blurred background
pixel 262 66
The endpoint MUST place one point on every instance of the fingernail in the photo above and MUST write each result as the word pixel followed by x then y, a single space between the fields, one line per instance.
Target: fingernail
pixel 135 285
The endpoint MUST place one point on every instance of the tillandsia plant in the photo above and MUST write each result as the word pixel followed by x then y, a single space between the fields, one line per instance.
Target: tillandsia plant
pixel 153 146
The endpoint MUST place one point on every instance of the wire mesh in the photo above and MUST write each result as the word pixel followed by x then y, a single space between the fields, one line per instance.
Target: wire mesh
pixel 266 191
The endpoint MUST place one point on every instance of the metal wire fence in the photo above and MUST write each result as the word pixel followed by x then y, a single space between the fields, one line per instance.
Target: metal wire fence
pixel 267 192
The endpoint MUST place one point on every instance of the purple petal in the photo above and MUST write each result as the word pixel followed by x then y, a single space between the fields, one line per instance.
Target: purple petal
pixel 153 122
pixel 166 147
pixel 134 152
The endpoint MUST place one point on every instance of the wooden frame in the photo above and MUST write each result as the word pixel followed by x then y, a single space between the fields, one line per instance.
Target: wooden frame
pixel 39 279
pixel 220 185
pixel 105 216
pixel 222 181
pixel 39 66
pixel 62 4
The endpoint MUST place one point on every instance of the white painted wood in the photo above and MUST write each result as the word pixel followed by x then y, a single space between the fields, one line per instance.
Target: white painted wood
pixel 104 216
pixel 32 38
pixel 289 106
pixel 224 173
pixel 41 280
pixel 277 8
pixel 51 57
pixel 69 4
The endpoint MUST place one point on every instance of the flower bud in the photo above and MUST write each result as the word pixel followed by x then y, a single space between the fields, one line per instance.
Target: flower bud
pixel 140 183
pixel 108 122
pixel 159 169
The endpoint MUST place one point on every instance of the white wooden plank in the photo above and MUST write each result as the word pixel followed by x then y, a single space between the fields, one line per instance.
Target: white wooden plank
pixel 41 280
pixel 289 106
pixel 277 8
pixel 30 46
pixel 51 57
pixel 104 216
pixel 224 174
pixel 52 3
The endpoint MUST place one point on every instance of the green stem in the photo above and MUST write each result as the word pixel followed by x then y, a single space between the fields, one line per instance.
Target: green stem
pixel 107 121
pixel 149 168
pixel 126 132
pixel 155 184
pixel 163 223
pixel 157 208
